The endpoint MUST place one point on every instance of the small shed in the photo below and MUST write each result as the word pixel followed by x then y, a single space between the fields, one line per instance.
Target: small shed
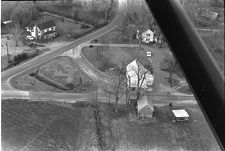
pixel 145 107
pixel 180 116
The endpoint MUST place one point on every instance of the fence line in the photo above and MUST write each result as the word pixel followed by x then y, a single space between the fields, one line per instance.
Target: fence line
pixel 55 15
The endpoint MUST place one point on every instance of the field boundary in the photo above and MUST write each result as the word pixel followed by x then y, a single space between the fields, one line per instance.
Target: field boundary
pixel 55 15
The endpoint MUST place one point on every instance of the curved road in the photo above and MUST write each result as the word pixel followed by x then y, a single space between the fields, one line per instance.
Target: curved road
pixel 8 90
pixel 73 50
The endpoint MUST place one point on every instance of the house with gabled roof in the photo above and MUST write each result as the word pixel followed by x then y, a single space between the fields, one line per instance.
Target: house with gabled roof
pixel 145 107
pixel 135 70
pixel 148 36
pixel 46 30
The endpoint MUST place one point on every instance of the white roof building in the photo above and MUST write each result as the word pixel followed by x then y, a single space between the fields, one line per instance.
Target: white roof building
pixel 180 113
pixel 134 69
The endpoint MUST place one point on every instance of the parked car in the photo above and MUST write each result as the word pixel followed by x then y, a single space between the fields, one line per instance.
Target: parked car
pixel 149 54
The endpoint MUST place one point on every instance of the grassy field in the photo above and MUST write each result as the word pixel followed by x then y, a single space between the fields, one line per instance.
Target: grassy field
pixel 72 10
pixel 61 70
pixel 44 126
pixel 115 36
pixel 85 126
pixel 105 58
pixel 110 57
pixel 64 26
pixel 159 133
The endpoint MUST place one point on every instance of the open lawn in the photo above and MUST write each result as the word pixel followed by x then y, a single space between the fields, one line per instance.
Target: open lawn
pixel 73 9
pixel 58 73
pixel 61 70
pixel 115 36
pixel 159 133
pixel 105 58
pixel 43 126
pixel 91 126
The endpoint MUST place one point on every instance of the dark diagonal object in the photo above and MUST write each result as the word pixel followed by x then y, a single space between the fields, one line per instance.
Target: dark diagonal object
pixel 201 70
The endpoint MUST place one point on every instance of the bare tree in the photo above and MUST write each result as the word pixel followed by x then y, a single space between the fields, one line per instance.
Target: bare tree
pixel 171 65
pixel 85 12
pixel 215 41
pixel 117 88
pixel 109 10
pixel 217 3
pixel 24 12
pixel 123 26
pixel 16 31
pixel 138 79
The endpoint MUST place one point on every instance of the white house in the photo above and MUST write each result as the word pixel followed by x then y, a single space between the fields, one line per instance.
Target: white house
pixel 147 36
pixel 44 30
pixel 134 69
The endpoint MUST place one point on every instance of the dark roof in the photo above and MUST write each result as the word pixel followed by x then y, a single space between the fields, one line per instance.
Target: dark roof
pixel 49 32
pixel 46 25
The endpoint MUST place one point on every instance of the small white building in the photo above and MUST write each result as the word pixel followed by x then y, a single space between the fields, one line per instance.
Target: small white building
pixel 180 115
pixel 145 107
pixel 134 69
pixel 147 36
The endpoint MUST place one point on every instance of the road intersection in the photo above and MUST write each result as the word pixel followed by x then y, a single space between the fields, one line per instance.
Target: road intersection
pixel 73 48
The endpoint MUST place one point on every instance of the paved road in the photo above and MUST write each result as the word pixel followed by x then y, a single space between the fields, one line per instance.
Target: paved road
pixel 74 50
pixel 101 97
pixel 42 59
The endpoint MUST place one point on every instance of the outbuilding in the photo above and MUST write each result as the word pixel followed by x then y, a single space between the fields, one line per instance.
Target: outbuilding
pixel 145 107
pixel 180 116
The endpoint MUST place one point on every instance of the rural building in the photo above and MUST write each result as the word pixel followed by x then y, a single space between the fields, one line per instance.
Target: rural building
pixel 145 107
pixel 136 70
pixel 180 115
pixel 46 30
pixel 207 17
pixel 147 36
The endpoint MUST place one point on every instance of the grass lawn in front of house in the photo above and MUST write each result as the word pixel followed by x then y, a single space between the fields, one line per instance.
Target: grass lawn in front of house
pixel 110 57
pixel 105 58
pixel 62 27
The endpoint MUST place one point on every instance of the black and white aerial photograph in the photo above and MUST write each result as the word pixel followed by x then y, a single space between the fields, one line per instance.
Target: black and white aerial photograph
pixel 112 75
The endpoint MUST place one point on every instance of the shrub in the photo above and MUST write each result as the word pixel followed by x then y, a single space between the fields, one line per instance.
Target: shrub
pixel 19 58
pixel 84 26
pixel 70 86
